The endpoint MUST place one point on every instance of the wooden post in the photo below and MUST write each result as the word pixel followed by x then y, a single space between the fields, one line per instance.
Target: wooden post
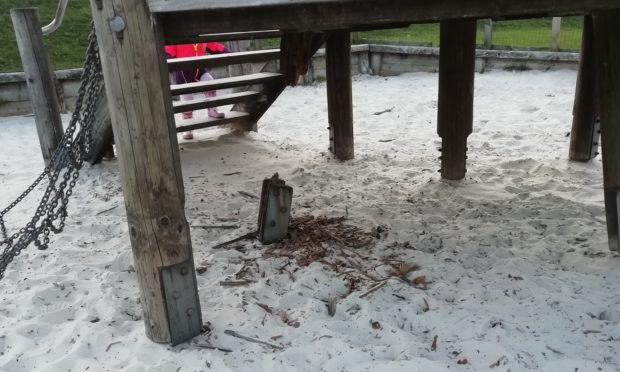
pixel 584 136
pixel 456 94
pixel 239 70
pixel 488 33
pixel 339 94
pixel 607 52
pixel 136 80
pixel 556 24
pixel 39 77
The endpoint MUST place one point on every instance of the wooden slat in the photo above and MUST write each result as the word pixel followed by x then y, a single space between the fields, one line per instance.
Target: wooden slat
pixel 203 103
pixel 216 60
pixel 230 82
pixel 353 14
pixel 157 6
pixel 227 36
pixel 207 122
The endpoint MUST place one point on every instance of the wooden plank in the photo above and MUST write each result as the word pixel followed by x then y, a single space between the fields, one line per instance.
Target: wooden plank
pixel 137 87
pixel 584 135
pixel 355 13
pixel 216 60
pixel 607 55
pixel 457 6
pixel 230 82
pixel 39 78
pixel 456 94
pixel 339 94
pixel 207 122
pixel 208 102
pixel 228 36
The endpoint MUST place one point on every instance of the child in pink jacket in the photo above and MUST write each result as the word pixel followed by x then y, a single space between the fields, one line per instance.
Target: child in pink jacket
pixel 199 74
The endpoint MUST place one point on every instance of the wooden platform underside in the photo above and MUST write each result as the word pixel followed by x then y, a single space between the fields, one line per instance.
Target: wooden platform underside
pixel 312 15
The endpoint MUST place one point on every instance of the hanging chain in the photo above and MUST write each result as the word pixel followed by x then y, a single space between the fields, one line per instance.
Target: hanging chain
pixel 62 171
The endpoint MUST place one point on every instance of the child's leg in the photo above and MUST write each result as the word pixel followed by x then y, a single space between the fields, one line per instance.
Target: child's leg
pixel 179 78
pixel 211 93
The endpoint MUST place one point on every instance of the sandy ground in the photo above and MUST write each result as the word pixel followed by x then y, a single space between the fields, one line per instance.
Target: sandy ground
pixel 517 273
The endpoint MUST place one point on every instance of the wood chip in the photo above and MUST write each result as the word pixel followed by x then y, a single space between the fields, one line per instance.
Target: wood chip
pixel 375 324
pixel 425 306
pixel 331 305
pixel 434 344
pixel 375 288
pixel 234 283
pixel 265 307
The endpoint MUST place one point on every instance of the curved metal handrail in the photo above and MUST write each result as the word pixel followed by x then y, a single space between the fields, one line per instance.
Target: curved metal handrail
pixel 57 21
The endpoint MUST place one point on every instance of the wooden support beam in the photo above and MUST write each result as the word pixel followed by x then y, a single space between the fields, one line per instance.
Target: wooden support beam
pixel 607 52
pixel 228 16
pixel 136 81
pixel 584 135
pixel 39 78
pixel 339 94
pixel 457 58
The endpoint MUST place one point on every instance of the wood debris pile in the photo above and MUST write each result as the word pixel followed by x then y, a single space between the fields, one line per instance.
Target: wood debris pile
pixel 311 239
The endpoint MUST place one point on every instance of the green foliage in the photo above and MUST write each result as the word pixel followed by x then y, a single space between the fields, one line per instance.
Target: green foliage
pixel 66 46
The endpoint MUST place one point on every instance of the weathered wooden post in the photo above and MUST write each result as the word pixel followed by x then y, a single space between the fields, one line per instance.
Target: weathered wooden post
pixel 584 136
pixel 39 79
pixel 488 33
pixel 456 94
pixel 136 80
pixel 339 93
pixel 607 52
pixel 556 25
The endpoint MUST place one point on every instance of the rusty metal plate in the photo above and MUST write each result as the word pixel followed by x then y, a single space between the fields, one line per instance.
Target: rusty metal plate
pixel 274 211
pixel 182 302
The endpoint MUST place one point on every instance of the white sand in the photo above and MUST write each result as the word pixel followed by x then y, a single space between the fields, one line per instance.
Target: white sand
pixel 516 254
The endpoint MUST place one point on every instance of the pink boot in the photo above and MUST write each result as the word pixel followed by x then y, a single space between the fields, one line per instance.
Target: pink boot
pixel 188 115
pixel 215 114
pixel 188 135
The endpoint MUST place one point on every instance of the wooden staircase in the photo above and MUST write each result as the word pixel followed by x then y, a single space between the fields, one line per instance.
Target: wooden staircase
pixel 255 80
pixel 252 92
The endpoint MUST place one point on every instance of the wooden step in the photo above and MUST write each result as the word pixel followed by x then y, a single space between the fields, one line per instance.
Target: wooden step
pixel 231 36
pixel 226 59
pixel 207 122
pixel 225 99
pixel 230 82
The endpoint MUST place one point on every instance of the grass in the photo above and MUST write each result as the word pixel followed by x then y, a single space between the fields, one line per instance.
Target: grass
pixel 530 33
pixel 67 45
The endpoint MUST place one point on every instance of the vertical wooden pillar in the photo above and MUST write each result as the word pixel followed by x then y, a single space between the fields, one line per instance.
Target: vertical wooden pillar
pixel 456 94
pixel 584 135
pixel 488 33
pixel 607 52
pixel 339 94
pixel 136 80
pixel 556 26
pixel 239 70
pixel 39 77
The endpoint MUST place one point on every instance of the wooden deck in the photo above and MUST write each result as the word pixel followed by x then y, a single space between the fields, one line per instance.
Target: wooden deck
pixel 198 17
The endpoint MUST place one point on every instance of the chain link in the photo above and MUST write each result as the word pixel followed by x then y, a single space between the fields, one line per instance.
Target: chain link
pixel 63 169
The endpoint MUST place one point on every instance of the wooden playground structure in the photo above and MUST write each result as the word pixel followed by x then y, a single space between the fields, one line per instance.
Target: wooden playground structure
pixel 131 37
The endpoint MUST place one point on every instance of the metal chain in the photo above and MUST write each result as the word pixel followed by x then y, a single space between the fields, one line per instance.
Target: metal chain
pixel 63 169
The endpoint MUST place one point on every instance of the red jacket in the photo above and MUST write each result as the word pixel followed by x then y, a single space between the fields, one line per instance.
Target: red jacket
pixel 193 50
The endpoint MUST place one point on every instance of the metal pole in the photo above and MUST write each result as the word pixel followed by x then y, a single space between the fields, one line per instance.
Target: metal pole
pixel 57 21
